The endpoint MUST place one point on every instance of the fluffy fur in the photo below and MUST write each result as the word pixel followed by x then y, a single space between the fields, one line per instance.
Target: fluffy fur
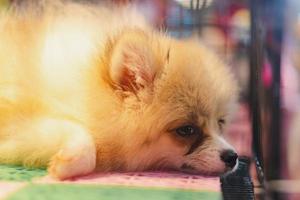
pixel 86 88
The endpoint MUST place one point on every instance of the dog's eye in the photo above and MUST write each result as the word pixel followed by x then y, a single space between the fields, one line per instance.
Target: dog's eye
pixel 221 122
pixel 187 130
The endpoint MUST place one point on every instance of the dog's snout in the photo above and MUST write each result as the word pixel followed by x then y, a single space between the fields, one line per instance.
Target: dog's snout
pixel 229 157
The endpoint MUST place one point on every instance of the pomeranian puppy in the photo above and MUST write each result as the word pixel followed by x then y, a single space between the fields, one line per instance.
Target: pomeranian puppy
pixel 85 88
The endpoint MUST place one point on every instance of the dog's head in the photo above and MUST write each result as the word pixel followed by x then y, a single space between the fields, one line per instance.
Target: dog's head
pixel 177 99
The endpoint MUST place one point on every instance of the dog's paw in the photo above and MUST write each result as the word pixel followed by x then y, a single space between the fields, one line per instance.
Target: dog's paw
pixel 73 161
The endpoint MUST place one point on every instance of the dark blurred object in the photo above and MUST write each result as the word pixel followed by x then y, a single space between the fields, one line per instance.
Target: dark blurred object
pixel 238 184
pixel 267 25
pixel 256 62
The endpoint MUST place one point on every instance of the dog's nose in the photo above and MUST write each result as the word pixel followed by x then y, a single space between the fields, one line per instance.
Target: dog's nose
pixel 229 157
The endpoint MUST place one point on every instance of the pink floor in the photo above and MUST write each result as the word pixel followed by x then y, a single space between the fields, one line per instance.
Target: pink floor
pixel 147 179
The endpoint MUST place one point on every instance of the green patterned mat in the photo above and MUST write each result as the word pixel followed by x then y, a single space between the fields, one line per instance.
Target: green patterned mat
pixel 81 192
pixel 17 173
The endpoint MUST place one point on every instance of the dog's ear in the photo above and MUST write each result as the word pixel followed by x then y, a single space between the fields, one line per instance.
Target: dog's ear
pixel 133 62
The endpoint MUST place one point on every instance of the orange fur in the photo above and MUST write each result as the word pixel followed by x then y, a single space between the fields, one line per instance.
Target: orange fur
pixel 85 88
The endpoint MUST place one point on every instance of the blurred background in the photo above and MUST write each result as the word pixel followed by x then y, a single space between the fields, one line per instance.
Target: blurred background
pixel 269 104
